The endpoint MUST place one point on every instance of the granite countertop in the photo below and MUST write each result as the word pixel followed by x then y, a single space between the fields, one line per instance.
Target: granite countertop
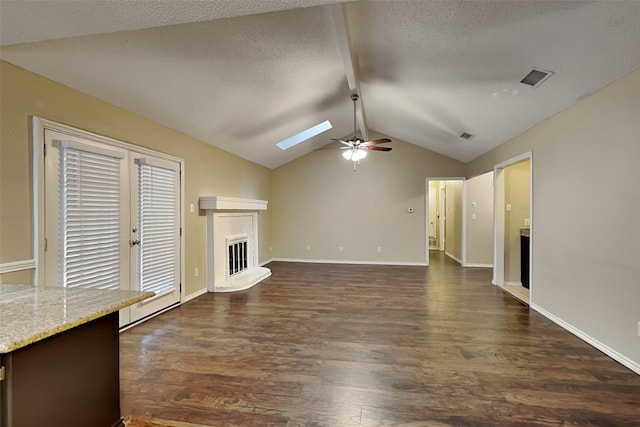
pixel 29 314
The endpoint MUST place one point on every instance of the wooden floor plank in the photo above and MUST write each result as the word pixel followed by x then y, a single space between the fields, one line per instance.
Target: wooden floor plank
pixel 362 345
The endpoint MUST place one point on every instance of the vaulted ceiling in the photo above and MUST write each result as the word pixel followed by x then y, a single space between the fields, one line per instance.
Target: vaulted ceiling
pixel 244 75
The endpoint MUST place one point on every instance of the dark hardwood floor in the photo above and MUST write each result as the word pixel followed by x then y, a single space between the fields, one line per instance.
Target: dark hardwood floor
pixel 362 345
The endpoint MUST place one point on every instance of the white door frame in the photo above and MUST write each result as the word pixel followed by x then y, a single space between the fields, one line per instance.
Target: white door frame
pixel 499 219
pixel 38 126
pixel 464 210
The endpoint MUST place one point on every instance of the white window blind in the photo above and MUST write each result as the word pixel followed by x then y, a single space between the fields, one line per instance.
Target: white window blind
pixel 157 221
pixel 90 213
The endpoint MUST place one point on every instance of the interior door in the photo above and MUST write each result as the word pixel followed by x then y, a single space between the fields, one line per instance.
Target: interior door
pixel 155 233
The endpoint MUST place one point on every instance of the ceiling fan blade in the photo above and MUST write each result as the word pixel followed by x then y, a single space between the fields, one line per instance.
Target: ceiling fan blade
pixel 378 141
pixel 347 143
pixel 376 148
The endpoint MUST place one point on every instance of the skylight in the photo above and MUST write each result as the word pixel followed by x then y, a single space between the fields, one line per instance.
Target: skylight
pixel 304 135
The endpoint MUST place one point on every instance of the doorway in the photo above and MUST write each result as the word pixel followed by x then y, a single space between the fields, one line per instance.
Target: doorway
pixel 513 226
pixel 444 217
pixel 111 216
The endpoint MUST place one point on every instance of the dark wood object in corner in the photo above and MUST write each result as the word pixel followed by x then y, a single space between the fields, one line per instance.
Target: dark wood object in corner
pixel 524 257
pixel 368 345
pixel 70 379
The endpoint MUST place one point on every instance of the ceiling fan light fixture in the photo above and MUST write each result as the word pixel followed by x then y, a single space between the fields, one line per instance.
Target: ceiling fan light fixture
pixel 354 155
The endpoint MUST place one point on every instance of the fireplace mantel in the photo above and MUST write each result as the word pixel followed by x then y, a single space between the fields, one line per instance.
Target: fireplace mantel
pixel 232 243
pixel 222 203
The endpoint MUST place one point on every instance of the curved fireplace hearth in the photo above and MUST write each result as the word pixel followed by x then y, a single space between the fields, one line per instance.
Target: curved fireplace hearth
pixel 232 243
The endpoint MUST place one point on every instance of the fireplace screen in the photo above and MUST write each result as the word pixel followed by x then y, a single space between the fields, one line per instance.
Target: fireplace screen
pixel 237 252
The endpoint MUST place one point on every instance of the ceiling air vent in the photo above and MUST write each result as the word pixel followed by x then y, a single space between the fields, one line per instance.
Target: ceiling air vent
pixel 536 77
pixel 465 135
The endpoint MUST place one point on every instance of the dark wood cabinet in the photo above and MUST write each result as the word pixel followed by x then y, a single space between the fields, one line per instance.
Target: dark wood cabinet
pixel 70 379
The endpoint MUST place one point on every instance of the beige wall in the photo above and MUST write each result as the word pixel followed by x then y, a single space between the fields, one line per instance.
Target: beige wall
pixel 453 219
pixel 22 277
pixel 479 232
pixel 586 203
pixel 517 185
pixel 208 171
pixel 319 201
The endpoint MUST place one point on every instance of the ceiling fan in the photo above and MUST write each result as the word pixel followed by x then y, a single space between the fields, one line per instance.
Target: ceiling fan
pixel 356 148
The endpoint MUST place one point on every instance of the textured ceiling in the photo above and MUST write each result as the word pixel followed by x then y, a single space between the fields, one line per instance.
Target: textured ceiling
pixel 238 78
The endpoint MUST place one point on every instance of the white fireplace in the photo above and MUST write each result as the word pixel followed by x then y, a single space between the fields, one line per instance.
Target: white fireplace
pixel 232 243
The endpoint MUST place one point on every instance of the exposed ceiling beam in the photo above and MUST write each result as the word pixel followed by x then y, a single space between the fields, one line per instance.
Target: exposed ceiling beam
pixel 341 23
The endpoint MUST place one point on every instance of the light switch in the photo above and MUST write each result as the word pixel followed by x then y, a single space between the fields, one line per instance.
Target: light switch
pixel 474 205
pixel 508 207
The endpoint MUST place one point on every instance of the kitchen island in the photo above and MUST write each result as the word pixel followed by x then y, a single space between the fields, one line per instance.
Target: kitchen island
pixel 59 356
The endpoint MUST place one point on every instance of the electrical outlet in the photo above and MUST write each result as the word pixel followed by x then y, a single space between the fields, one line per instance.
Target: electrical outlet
pixel 270 248
pixel 308 247
pixel 192 208
pixel 527 222
pixel 379 249
pixel 508 207
pixel 340 248
pixel 196 272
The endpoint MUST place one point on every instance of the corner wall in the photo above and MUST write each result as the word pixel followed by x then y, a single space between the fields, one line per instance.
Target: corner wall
pixel 479 232
pixel 586 202
pixel 453 220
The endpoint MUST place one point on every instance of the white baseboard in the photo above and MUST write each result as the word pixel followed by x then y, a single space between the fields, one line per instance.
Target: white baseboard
pixel 453 257
pixel 620 358
pixel 472 264
pixel 262 264
pixel 10 267
pixel 334 261
pixel 512 283
pixel 194 295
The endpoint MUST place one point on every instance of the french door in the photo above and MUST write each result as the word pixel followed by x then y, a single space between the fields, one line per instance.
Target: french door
pixel 112 220
pixel 155 232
